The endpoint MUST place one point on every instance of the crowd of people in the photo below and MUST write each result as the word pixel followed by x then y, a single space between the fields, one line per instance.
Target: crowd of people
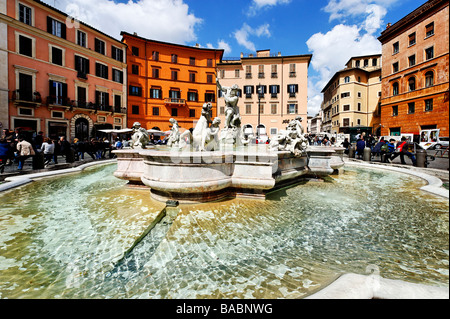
pixel 386 150
pixel 15 148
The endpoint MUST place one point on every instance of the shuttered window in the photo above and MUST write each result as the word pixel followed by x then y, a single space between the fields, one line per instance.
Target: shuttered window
pixel 56 28
pixel 100 46
pixel 25 46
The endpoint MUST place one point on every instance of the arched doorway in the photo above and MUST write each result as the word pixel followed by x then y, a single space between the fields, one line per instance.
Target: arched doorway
pixel 82 128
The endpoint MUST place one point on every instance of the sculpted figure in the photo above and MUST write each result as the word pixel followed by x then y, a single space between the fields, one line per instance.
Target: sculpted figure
pixel 200 131
pixel 232 116
pixel 292 139
pixel 140 137
pixel 174 136
pixel 212 136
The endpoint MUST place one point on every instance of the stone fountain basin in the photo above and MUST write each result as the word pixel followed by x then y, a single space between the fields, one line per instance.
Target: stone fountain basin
pixel 189 176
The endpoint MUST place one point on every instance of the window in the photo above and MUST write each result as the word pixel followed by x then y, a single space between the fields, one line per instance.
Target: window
pixel 357 64
pixel 273 109
pixel 248 90
pixel 429 29
pixel 57 56
pixel 359 79
pixel 347 79
pixel 56 28
pixel 81 38
pixel 346 122
pixel 25 14
pixel 135 52
pixel 292 109
pixel 155 111
pixel 58 92
pixel 394 131
pixel 191 77
pixel 101 70
pixel 82 66
pixel 25 87
pixel 155 93
pixel 25 46
pixel 395 67
pixel 261 71
pixel 359 107
pixel 100 46
pixel 135 69
pixel 102 100
pixel 81 96
pixel 411 83
pixel 248 71
pixel 274 73
pixel 174 75
pixel 236 73
pixel 358 122
pixel 359 94
pixel 248 109
pixel 261 109
pixel 192 113
pixel 412 60
pixel 366 63
pixel 117 76
pixel 412 39
pixel 428 105
pixel 395 110
pixel 174 58
pixel 192 96
pixel 274 90
pixel 209 78
pixel 429 53
pixel 209 63
pixel 291 70
pixel 292 89
pixel 117 103
pixel 155 56
pixel 135 91
pixel 346 107
pixel 395 48
pixel 209 97
pixel 174 94
pixel 395 88
pixel 117 53
pixel 411 108
pixel 155 73
pixel 191 61
pixel 174 112
pixel 374 62
pixel 345 94
pixel 135 109
pixel 429 79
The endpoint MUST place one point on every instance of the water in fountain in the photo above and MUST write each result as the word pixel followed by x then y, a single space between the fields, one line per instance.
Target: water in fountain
pixel 61 237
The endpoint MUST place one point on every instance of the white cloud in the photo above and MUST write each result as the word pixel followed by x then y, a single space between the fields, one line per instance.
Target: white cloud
pixel 330 53
pixel 242 35
pixel 221 44
pixel 164 20
pixel 257 5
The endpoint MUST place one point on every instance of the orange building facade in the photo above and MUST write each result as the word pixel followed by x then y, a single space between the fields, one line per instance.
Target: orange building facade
pixel 169 81
pixel 64 78
pixel 415 71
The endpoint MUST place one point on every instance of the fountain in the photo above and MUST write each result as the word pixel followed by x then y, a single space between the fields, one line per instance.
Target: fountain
pixel 89 236
pixel 212 163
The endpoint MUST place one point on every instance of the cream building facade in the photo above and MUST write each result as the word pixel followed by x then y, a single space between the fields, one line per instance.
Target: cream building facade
pixel 352 95
pixel 273 90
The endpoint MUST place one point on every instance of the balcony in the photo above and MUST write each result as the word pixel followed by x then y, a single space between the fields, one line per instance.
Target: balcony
pixel 26 98
pixel 248 75
pixel 292 74
pixel 274 75
pixel 174 101
pixel 261 75
pixel 58 101
pixel 82 75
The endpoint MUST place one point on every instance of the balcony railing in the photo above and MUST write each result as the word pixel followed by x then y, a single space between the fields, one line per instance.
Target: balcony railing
pixel 274 75
pixel 292 74
pixel 28 98
pixel 58 101
pixel 174 101
pixel 261 75
pixel 82 75
pixel 248 75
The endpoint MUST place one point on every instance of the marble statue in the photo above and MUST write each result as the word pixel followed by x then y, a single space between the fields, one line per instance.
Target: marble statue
pixel 292 139
pixel 140 137
pixel 212 136
pixel 230 94
pixel 199 134
pixel 174 137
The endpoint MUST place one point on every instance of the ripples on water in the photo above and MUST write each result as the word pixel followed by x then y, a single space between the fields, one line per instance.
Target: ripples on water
pixel 61 237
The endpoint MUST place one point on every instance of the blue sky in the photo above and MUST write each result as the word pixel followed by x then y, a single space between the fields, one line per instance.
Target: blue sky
pixel 331 30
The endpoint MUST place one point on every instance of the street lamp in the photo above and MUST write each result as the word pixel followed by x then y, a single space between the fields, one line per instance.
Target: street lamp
pixel 259 109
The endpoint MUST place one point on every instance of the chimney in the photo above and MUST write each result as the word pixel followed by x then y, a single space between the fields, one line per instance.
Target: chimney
pixel 135 34
pixel 388 25
pixel 197 45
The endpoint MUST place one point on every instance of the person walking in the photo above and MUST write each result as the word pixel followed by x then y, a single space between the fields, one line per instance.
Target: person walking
pixel 48 149
pixel 5 153
pixel 24 151
pixel 360 145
